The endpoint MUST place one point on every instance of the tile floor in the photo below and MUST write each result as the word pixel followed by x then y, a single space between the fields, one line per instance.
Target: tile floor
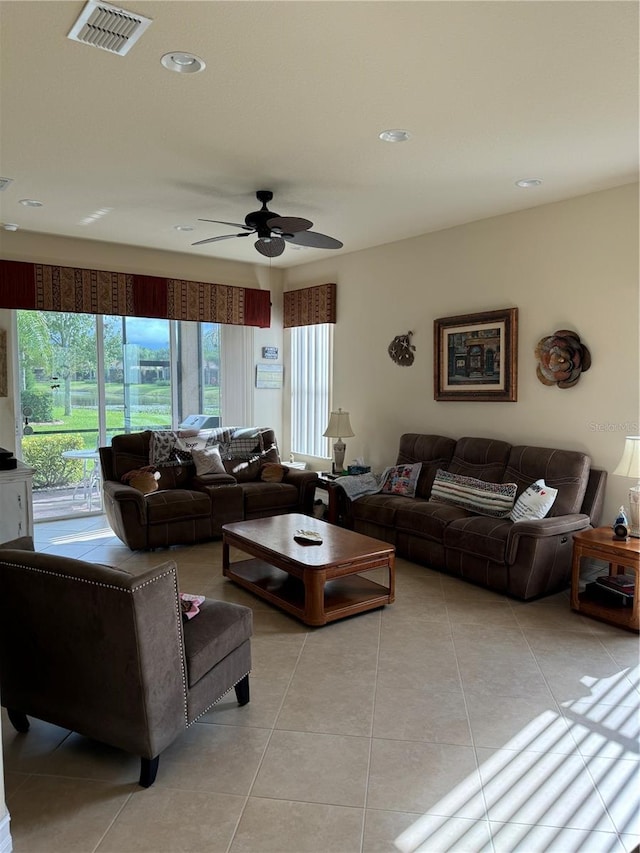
pixel 453 720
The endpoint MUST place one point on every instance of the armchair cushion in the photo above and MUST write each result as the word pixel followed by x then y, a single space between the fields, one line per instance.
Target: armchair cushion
pixel 208 641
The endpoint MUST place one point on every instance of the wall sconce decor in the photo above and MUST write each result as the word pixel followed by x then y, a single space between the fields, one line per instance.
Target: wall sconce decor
pixel 562 359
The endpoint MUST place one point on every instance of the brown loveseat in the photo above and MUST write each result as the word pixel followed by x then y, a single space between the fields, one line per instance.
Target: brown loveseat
pixel 525 559
pixel 191 507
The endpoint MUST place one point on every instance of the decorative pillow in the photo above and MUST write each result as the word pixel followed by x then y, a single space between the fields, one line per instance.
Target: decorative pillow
pixel 401 479
pixel 492 499
pixel 272 472
pixel 534 502
pixel 208 460
pixel 145 479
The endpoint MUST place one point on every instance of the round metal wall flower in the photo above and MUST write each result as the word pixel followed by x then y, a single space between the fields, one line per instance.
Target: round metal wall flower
pixel 562 359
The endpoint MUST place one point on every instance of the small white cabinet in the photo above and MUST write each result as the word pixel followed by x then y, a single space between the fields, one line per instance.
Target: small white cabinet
pixel 16 502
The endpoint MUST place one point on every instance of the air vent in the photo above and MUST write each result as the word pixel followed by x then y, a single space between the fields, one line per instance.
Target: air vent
pixel 4 183
pixel 108 27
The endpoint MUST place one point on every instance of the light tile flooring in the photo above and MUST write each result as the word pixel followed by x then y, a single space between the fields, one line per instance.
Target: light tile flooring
pixel 453 720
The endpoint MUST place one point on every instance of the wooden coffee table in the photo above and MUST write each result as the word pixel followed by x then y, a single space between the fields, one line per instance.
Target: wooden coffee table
pixel 315 583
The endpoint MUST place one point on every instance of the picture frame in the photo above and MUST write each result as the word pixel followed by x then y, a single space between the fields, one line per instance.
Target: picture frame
pixel 475 357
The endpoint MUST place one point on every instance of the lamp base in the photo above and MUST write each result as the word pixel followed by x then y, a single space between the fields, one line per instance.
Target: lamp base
pixel 634 511
pixel 338 456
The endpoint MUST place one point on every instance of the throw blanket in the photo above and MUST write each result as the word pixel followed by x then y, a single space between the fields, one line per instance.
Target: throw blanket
pixel 360 484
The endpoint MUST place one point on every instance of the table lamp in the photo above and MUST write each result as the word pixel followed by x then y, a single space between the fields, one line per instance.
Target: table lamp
pixel 629 466
pixel 339 427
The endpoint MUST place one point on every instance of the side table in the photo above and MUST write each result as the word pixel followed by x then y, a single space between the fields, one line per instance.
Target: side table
pixel 599 544
pixel 327 484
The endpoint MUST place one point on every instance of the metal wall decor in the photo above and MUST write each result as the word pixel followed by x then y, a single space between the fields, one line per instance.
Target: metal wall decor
pixel 562 359
pixel 401 350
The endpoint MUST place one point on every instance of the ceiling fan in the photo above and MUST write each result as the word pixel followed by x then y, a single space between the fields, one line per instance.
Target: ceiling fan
pixel 273 230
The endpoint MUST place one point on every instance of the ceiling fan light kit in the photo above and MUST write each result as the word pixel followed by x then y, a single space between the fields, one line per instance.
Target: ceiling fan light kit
pixel 273 230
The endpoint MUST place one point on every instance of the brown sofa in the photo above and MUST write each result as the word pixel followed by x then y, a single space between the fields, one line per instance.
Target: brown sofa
pixel 526 559
pixel 188 508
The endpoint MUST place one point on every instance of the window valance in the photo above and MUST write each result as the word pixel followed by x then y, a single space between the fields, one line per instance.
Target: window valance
pixel 310 306
pixel 43 287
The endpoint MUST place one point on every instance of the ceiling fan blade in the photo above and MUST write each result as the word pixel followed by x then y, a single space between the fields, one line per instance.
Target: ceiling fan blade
pixel 288 224
pixel 232 224
pixel 223 237
pixel 270 248
pixel 315 240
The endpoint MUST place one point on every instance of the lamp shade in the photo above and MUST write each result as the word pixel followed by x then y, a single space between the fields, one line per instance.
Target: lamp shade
pixel 339 426
pixel 629 464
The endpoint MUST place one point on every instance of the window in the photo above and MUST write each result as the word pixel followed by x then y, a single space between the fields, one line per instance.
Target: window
pixel 84 378
pixel 311 357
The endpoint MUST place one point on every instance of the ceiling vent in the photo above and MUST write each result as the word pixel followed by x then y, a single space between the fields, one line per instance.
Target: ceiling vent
pixel 108 27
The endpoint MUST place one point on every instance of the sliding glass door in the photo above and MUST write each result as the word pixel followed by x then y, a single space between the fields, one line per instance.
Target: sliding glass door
pixel 84 379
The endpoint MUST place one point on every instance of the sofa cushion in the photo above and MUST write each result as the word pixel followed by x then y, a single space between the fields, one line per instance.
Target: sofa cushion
pixel 479 535
pixel 174 476
pixel 379 509
pixel 483 458
pixel 129 451
pixel 261 497
pixel 493 499
pixel 434 451
pixel 534 502
pixel 219 629
pixel 272 472
pixel 175 505
pixel 564 470
pixel 427 519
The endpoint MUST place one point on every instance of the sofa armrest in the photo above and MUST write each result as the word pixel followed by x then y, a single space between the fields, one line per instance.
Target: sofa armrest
pixel 305 483
pixel 119 492
pixel 543 528
pixel 202 481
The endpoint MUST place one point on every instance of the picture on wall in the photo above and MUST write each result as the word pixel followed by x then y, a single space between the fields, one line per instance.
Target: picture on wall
pixel 475 356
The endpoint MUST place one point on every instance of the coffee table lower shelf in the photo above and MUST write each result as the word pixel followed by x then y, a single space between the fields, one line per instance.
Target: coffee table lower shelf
pixel 343 596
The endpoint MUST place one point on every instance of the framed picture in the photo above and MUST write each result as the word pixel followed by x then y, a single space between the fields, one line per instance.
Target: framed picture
pixel 269 375
pixel 475 357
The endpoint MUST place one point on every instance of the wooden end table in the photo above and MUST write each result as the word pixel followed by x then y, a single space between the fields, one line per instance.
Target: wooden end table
pixel 599 544
pixel 315 583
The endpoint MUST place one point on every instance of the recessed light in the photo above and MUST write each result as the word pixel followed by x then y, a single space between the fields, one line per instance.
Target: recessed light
pixel 183 63
pixel 30 202
pixel 395 135
pixel 10 226
pixel 529 182
pixel 184 228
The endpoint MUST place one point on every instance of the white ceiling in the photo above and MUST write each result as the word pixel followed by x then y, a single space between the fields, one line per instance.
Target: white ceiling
pixel 293 98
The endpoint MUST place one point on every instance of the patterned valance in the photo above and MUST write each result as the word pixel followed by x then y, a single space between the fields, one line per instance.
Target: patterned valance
pixel 310 305
pixel 52 288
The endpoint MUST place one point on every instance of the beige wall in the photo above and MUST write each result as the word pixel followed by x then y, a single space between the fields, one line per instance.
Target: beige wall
pixel 571 265
pixel 568 265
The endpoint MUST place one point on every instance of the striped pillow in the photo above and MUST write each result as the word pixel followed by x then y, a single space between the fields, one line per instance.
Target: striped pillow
pixel 493 499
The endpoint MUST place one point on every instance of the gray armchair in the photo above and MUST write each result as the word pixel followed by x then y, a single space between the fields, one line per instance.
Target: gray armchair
pixel 105 653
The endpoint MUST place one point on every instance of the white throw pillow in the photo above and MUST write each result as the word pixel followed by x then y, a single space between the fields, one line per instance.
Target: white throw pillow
pixel 208 460
pixel 534 502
